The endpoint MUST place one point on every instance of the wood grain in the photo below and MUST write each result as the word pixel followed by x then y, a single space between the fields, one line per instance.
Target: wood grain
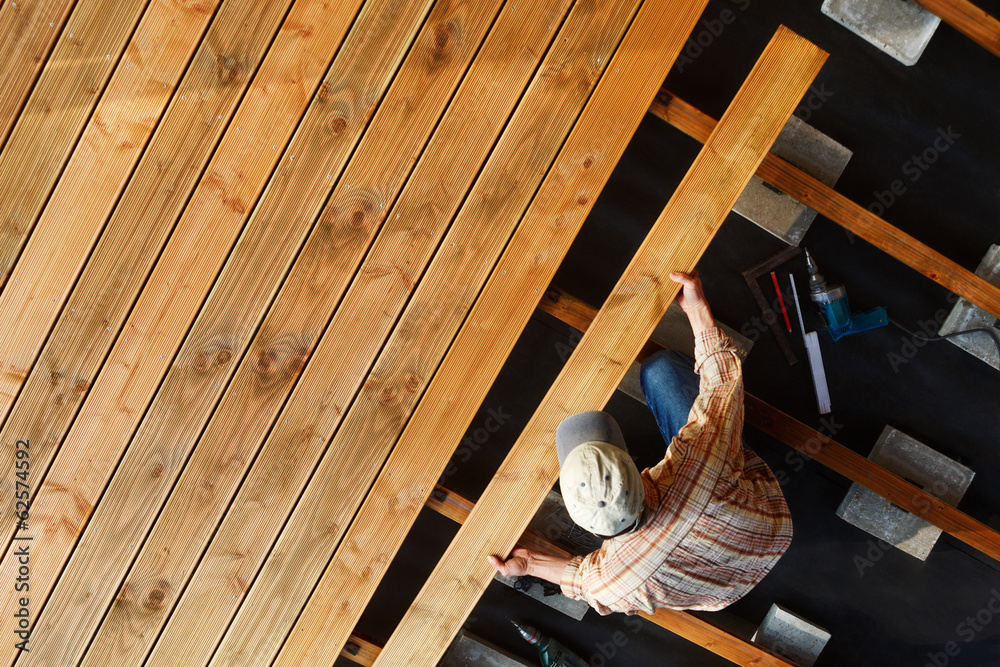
pixel 822 448
pixel 844 212
pixel 969 20
pixel 330 131
pixel 49 125
pixel 30 31
pixel 88 191
pixel 420 217
pixel 636 304
pixel 170 300
pixel 563 201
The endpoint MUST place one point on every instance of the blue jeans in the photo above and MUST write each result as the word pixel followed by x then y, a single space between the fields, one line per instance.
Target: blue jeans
pixel 670 385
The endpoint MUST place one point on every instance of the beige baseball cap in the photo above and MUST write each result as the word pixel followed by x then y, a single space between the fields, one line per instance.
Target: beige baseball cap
pixel 601 485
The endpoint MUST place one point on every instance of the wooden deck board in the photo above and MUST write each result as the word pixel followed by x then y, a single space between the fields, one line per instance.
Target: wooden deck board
pixel 231 316
pixel 48 127
pixel 683 231
pixel 174 292
pixel 30 31
pixel 969 20
pixel 132 239
pixel 584 164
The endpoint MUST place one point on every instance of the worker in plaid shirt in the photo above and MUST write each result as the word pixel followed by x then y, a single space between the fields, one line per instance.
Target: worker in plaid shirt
pixel 696 531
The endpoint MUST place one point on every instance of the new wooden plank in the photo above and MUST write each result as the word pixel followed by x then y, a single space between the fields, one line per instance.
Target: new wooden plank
pixel 256 269
pixel 30 31
pixel 843 211
pixel 174 292
pixel 112 143
pixel 450 38
pixel 502 69
pixel 683 231
pixel 823 449
pixel 969 20
pixel 564 198
pixel 372 424
pixel 50 123
pixel 329 132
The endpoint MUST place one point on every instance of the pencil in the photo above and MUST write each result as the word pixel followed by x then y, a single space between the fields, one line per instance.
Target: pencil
pixel 781 301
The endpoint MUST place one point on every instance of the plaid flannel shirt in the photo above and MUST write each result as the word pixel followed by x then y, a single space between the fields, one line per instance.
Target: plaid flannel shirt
pixel 716 520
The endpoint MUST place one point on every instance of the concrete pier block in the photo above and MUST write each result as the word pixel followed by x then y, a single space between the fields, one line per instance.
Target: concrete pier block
pixel 469 650
pixel 965 316
pixel 811 151
pixel 791 636
pixel 919 464
pixel 901 28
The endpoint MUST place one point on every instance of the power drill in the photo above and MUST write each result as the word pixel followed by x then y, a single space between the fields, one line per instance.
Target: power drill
pixel 835 308
pixel 550 652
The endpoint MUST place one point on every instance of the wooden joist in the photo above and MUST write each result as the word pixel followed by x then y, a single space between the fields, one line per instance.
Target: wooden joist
pixel 162 316
pixel 683 231
pixel 838 208
pixel 818 446
pixel 564 199
pixel 969 20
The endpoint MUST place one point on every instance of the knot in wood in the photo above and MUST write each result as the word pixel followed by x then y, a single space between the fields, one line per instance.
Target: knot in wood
pixel 324 92
pixel 157 470
pixel 386 395
pixel 201 361
pixel 156 597
pixel 588 163
pixel 81 387
pixel 412 382
pixel 226 68
pixel 55 377
pixel 443 44
pixel 357 220
pixel 223 357
pixel 60 399
pixel 296 362
pixel 266 362
pixel 337 124
pixel 583 200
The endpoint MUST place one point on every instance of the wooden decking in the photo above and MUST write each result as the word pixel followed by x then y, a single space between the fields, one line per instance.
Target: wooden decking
pixel 240 243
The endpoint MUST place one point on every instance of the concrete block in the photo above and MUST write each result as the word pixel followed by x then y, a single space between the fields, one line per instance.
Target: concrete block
pixel 901 28
pixel 791 636
pixel 469 650
pixel 575 609
pixel 919 464
pixel 965 316
pixel 811 151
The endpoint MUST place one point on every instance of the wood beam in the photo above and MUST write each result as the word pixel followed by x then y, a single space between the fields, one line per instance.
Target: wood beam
pixel 564 198
pixel 843 211
pixel 820 447
pixel 685 228
pixel 969 20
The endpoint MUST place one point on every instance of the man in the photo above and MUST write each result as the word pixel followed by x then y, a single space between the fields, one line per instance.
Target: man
pixel 696 531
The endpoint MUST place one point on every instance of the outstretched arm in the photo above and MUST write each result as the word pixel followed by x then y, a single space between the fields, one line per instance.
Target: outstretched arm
pixel 532 563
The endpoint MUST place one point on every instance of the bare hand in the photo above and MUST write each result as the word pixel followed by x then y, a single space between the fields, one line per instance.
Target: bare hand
pixel 515 566
pixel 692 300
